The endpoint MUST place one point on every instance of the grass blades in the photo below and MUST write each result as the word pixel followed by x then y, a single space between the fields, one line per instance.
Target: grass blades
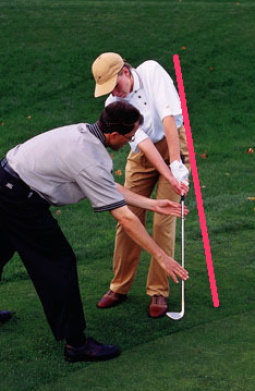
pixel 47 48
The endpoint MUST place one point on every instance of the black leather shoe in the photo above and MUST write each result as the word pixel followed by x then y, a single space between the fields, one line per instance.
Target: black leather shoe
pixel 5 316
pixel 91 351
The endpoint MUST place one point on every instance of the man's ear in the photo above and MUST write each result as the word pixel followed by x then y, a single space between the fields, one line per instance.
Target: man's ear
pixel 126 71
pixel 115 134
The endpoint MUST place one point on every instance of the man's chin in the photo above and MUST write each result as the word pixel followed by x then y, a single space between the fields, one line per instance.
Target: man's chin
pixel 115 148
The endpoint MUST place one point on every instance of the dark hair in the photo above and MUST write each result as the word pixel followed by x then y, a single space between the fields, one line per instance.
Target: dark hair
pixel 119 117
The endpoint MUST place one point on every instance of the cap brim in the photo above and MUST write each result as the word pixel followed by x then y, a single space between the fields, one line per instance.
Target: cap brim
pixel 106 88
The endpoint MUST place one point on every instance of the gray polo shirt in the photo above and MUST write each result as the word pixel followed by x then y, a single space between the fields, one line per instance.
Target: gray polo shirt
pixel 66 165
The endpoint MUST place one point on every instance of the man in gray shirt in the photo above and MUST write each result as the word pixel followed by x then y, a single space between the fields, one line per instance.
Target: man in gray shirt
pixel 60 167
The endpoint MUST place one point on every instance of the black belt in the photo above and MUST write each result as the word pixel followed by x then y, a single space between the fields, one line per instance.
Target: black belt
pixel 15 184
pixel 5 165
pixel 12 181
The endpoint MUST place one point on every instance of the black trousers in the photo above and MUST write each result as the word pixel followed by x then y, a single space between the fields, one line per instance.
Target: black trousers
pixel 27 226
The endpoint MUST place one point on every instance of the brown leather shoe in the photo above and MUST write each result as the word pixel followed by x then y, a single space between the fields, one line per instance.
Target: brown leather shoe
pixel 158 306
pixel 110 299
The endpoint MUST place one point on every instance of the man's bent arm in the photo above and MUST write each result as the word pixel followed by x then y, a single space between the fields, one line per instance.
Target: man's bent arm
pixel 153 155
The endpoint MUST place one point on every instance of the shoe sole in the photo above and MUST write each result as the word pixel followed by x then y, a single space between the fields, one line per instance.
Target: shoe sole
pixel 5 319
pixel 104 358
pixel 117 302
pixel 158 316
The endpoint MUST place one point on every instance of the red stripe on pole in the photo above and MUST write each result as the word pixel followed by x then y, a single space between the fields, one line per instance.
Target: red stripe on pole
pixel 197 188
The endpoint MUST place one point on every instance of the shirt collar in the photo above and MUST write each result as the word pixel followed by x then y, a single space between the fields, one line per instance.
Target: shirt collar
pixel 94 129
pixel 136 85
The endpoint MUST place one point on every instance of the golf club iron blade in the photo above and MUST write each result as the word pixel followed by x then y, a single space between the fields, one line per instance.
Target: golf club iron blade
pixel 178 315
pixel 175 315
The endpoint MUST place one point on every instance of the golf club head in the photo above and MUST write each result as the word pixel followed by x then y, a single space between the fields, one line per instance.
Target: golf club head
pixel 175 315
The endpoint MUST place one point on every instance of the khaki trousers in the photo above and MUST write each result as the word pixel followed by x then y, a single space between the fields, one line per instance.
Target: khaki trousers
pixel 141 177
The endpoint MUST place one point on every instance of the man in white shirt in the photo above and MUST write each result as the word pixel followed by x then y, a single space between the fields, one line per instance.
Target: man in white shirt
pixel 59 167
pixel 159 142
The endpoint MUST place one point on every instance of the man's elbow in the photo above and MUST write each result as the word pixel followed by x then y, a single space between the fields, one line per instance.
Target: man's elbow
pixel 126 221
pixel 124 216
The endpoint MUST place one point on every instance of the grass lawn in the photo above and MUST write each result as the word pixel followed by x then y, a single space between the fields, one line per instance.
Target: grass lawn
pixel 47 48
pixel 191 360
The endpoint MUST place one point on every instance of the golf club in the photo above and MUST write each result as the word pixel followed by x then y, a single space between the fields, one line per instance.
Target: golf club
pixel 179 315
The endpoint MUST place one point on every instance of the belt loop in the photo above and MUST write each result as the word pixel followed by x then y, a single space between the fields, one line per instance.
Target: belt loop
pixel 5 165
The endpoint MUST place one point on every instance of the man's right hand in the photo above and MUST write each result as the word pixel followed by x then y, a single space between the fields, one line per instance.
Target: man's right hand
pixel 173 268
pixel 179 188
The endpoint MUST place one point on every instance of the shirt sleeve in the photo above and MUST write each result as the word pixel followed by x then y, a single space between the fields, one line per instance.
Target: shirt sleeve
pixel 140 136
pixel 165 95
pixel 99 187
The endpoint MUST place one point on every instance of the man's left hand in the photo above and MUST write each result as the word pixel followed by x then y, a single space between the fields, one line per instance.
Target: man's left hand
pixel 166 207
pixel 179 171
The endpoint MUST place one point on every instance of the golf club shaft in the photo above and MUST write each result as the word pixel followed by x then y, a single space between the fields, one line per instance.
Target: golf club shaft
pixel 182 246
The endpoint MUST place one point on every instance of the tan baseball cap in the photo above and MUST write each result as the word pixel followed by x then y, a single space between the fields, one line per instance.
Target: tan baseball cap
pixel 105 70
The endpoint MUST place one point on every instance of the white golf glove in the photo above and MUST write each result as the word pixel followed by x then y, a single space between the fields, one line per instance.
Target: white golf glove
pixel 180 172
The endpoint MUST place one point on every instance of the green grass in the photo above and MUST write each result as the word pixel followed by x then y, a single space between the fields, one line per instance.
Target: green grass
pixel 165 363
pixel 47 48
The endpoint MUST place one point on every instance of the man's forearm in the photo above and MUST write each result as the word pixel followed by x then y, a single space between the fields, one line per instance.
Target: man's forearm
pixel 134 199
pixel 161 206
pixel 135 229
pixel 153 155
pixel 172 137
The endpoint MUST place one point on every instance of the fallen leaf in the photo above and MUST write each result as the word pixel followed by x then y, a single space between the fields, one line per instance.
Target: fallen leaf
pixel 58 212
pixel 204 155
pixel 29 117
pixel 2 124
pixel 184 47
pixel 118 172
pixel 250 150
pixel 251 198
